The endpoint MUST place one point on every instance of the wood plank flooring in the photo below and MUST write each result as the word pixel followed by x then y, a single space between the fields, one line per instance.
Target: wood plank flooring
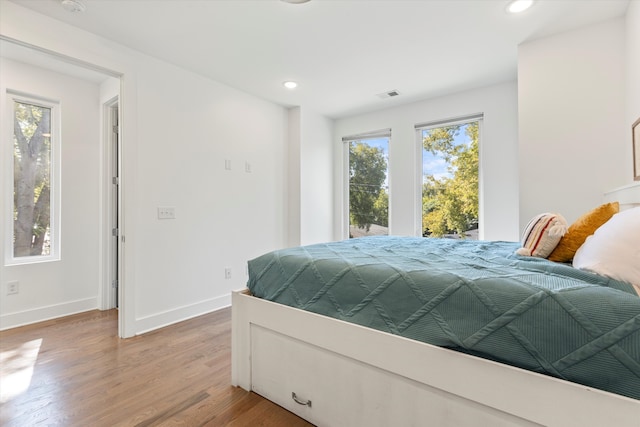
pixel 84 375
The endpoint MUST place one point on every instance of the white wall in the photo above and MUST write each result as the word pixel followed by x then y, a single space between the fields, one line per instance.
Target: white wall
pixel 573 136
pixel 177 130
pixel 223 217
pixel 52 289
pixel 498 162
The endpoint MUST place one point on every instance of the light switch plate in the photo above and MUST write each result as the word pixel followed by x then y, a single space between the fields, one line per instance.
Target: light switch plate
pixel 166 212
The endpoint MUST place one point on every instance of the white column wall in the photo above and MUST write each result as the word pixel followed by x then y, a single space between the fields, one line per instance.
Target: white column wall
pixel 316 178
pixel 310 209
pixel 574 142
pixel 293 219
pixel 632 55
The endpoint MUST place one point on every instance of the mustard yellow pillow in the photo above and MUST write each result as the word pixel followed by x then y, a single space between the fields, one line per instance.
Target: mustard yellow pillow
pixel 578 232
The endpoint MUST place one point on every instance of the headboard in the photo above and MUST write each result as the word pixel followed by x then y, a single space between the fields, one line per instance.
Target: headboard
pixel 628 196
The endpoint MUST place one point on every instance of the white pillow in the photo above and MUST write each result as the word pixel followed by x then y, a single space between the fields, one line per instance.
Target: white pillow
pixel 614 249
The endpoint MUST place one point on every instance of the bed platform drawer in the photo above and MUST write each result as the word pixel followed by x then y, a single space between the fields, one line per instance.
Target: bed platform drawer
pixel 328 389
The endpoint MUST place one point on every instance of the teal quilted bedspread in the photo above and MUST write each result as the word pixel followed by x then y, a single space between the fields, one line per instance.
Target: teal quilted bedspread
pixel 472 296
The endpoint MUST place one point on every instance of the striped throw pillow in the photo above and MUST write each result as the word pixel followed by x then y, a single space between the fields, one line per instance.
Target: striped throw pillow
pixel 542 234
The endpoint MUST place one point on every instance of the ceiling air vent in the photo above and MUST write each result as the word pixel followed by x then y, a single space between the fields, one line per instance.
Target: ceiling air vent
pixel 388 94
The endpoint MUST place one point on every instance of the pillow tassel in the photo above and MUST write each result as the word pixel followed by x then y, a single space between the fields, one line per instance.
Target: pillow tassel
pixel 524 251
pixel 558 229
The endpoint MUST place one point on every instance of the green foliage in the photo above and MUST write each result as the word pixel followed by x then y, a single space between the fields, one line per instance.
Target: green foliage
pixel 451 204
pixel 381 209
pixel 31 178
pixel 368 200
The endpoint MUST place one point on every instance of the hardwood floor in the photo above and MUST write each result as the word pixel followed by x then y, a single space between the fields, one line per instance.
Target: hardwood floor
pixel 84 375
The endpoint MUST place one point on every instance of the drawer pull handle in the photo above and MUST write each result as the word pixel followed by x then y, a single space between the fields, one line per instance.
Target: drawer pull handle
pixel 300 402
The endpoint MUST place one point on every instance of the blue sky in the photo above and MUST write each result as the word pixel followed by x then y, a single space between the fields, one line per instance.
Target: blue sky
pixel 382 143
pixel 431 164
pixel 436 165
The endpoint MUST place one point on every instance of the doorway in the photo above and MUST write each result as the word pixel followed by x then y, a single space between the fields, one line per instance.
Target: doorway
pixel 108 269
pixel 112 203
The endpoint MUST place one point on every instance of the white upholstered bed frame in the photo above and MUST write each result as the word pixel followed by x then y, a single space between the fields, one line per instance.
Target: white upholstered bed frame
pixel 334 373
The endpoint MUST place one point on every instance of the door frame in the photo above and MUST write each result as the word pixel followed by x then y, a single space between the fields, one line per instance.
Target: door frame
pixel 111 204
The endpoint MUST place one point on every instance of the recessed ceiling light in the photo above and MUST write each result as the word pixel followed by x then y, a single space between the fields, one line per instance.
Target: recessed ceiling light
pixel 73 6
pixel 295 1
pixel 290 85
pixel 517 6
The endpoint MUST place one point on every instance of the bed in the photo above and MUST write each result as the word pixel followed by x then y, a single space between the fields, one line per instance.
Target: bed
pixel 346 333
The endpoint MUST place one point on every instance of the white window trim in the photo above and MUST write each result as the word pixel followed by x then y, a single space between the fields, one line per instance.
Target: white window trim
pixel 477 117
pixel 345 190
pixel 450 122
pixel 55 204
pixel 381 133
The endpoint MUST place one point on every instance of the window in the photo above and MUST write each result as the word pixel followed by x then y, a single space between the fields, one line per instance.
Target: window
pixel 35 225
pixel 368 156
pixel 450 178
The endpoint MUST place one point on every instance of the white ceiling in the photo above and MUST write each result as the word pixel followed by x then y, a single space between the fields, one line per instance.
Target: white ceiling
pixel 341 52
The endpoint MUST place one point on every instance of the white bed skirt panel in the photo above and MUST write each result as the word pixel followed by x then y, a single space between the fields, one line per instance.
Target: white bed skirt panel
pixel 344 374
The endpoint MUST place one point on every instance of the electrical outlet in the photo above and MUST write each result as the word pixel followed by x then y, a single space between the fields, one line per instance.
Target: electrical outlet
pixel 166 212
pixel 227 273
pixel 247 167
pixel 13 287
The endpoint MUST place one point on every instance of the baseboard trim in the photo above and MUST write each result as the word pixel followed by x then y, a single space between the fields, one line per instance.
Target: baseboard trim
pixel 143 325
pixel 40 314
pixel 169 317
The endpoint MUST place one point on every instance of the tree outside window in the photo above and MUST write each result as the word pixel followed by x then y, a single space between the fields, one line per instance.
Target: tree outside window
pixel 368 187
pixel 31 180
pixel 450 181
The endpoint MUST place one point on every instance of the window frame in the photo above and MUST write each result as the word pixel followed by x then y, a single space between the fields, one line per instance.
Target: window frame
pixel 460 120
pixel 381 133
pixel 13 96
